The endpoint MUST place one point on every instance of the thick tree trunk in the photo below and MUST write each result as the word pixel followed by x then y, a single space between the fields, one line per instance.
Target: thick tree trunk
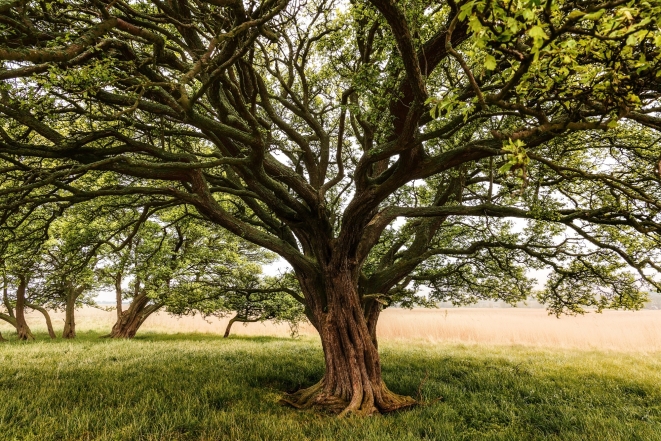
pixel 22 328
pixel 352 382
pixel 49 323
pixel 372 313
pixel 130 321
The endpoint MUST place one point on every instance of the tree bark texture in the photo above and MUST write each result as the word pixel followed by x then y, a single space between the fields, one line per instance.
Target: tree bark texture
pixel 9 319
pixel 22 328
pixel 130 321
pixel 49 323
pixel 352 382
pixel 70 310
pixel 5 299
pixel 118 295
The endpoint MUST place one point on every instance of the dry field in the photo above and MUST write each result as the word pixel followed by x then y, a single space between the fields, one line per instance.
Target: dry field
pixel 613 330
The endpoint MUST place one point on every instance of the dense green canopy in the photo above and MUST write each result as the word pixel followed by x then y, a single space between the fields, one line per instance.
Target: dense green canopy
pixel 377 146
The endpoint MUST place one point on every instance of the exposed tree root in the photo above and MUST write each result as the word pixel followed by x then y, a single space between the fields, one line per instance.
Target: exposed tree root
pixel 363 403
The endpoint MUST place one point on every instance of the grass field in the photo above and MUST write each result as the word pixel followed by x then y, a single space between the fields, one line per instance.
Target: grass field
pixel 638 331
pixel 195 386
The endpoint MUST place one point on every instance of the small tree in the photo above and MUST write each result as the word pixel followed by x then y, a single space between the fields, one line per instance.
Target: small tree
pixel 67 266
pixel 22 235
pixel 170 259
pixel 259 305
pixel 16 308
pixel 244 296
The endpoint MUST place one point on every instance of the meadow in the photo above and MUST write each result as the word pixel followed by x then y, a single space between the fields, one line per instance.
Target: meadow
pixel 498 374
pixel 533 327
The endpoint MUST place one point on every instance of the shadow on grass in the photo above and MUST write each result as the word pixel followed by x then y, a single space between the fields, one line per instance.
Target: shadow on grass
pixel 194 336
pixel 92 335
pixel 189 387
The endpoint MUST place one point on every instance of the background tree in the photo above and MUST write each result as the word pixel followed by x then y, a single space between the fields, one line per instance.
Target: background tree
pixel 60 268
pixel 8 314
pixel 171 258
pixel 16 306
pixel 310 127
pixel 245 296
pixel 22 236
pixel 136 256
pixel 269 300
pixel 254 306
pixel 69 258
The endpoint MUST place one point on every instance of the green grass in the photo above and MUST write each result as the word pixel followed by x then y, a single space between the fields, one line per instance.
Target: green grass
pixel 199 387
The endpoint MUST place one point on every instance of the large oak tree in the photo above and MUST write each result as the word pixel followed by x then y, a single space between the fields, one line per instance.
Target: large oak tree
pixel 376 145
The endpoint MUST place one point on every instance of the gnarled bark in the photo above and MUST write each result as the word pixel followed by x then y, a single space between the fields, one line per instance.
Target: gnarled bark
pixel 22 328
pixel 352 382
pixel 130 320
pixel 49 323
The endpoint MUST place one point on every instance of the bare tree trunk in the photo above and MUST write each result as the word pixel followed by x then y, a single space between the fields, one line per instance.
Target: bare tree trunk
pixel 130 321
pixel 70 310
pixel 239 319
pixel 9 319
pixel 5 298
pixel 229 326
pixel 69 320
pixel 49 324
pixel 118 294
pixel 352 382
pixel 22 328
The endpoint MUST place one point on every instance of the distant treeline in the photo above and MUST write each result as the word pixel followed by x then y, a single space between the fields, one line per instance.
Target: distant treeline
pixel 654 303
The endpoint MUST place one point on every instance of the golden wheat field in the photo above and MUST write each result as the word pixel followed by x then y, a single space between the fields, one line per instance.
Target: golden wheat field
pixel 611 330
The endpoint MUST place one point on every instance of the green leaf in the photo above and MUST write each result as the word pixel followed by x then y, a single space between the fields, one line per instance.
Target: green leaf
pixel 575 14
pixel 490 62
pixel 506 167
pixel 632 40
pixel 538 35
pixel 474 24
pixel 537 32
pixel 466 10
pixel 595 15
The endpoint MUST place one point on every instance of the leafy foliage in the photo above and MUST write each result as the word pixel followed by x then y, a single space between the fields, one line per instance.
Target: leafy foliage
pixel 377 146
